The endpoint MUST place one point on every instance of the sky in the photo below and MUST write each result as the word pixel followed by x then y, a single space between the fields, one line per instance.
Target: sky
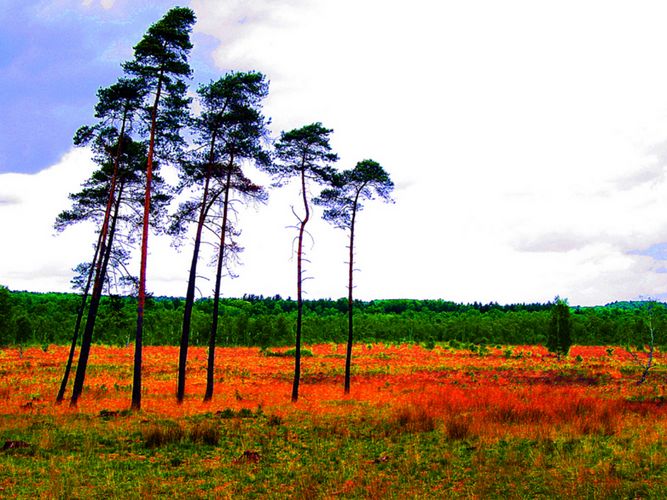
pixel 527 141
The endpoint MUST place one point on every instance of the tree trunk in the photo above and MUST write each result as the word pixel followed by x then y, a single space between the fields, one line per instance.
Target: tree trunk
pixel 299 286
pixel 77 326
pixel 649 360
pixel 350 302
pixel 190 294
pixel 100 273
pixel 141 299
pixel 210 369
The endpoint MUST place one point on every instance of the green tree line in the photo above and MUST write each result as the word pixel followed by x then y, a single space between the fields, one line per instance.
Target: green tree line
pixel 28 318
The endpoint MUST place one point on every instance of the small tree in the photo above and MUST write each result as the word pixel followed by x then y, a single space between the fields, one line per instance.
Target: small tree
pixel 6 313
pixel 642 346
pixel 304 153
pixel 559 337
pixel 342 201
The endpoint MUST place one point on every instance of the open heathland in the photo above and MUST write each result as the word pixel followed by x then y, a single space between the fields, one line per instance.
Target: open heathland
pixel 441 422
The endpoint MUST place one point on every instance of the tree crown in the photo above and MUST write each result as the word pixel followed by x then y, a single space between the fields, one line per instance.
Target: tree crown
pixel 304 151
pixel 366 181
pixel 164 49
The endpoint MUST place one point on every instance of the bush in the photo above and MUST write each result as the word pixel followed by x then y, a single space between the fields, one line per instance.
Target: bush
pixel 559 338
pixel 290 353
pixel 457 427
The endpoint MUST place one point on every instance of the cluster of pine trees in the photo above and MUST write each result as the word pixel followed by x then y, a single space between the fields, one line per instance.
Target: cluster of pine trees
pixel 142 123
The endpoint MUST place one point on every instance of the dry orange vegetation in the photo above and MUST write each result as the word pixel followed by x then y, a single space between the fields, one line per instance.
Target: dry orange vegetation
pixel 513 422
pixel 523 392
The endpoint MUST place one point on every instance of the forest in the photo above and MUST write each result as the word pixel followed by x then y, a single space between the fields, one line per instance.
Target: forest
pixel 48 318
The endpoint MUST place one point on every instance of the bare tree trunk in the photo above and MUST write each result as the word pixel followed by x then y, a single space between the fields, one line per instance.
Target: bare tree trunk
pixel 210 369
pixel 77 326
pixel 299 287
pixel 350 301
pixel 100 273
pixel 649 361
pixel 141 298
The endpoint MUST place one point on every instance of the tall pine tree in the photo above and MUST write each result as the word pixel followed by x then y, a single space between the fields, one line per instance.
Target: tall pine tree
pixel 342 202
pixel 161 63
pixel 116 109
pixel 304 153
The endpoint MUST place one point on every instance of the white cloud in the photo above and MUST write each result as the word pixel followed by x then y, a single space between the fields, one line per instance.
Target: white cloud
pixel 529 137
pixel 526 140
pixel 33 257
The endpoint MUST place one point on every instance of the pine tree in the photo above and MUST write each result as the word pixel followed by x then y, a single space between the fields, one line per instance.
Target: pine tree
pixel 116 109
pixel 342 202
pixel 304 153
pixel 230 129
pixel 161 63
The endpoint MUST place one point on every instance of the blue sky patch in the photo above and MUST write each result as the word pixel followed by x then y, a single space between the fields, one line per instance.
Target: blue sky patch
pixel 51 65
pixel 657 251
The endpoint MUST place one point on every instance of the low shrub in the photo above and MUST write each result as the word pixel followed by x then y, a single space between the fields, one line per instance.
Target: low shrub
pixel 160 434
pixel 413 419
pixel 457 427
pixel 205 433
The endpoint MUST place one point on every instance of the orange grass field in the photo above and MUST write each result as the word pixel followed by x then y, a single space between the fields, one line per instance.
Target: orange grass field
pixel 512 422
pixel 523 391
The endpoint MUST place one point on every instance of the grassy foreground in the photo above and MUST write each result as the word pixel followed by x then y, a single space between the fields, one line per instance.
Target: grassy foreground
pixel 512 422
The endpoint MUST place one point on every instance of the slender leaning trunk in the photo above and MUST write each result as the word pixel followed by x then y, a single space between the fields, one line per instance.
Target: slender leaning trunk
pixel 190 294
pixel 299 289
pixel 141 299
pixel 77 326
pixel 100 274
pixel 210 369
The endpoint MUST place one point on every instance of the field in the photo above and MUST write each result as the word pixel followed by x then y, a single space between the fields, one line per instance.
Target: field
pixel 420 423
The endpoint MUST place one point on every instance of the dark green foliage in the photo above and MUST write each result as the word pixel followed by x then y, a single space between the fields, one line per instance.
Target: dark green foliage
pixel 249 321
pixel 6 314
pixel 559 338
pixel 304 152
pixel 24 329
pixel 161 66
pixel 343 199
pixel 163 51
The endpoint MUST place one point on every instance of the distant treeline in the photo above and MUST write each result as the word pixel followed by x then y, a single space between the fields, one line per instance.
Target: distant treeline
pixel 48 318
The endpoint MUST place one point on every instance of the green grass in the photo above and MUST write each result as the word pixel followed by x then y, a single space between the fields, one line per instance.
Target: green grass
pixel 374 454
